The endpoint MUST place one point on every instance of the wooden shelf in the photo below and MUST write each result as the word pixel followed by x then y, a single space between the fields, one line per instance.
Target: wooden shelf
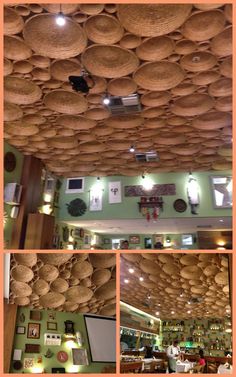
pixel 151 204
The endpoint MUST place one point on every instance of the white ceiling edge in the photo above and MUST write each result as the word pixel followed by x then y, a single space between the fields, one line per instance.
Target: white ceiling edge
pixel 161 226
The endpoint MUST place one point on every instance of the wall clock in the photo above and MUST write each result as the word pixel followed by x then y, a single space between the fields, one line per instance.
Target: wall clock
pixel 62 356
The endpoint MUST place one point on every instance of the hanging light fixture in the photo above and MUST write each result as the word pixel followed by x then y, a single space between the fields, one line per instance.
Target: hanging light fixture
pixel 106 99
pixel 132 149
pixel 60 19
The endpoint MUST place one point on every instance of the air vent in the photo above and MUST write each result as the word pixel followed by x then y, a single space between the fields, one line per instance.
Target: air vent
pixel 146 157
pixel 204 226
pixel 124 105
pixel 195 300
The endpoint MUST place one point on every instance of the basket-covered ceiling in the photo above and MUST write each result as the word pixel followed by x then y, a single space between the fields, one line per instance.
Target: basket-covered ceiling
pixel 178 286
pixel 176 57
pixel 78 283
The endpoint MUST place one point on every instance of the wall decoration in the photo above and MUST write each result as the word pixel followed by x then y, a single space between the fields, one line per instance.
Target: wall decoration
pixel 187 239
pixel 32 348
pixel 95 200
pixel 114 192
pixel 180 205
pixel 65 233
pixel 80 356
pixel 87 239
pixel 62 356
pixel 81 233
pixel 157 190
pixel 193 194
pixel 77 232
pixel 20 329
pixel 17 365
pixel 222 191
pixel 17 354
pixel 22 318
pixel 52 316
pixel 52 326
pixel 35 315
pixel 33 331
pixel 58 370
pixel 76 207
pixel 48 354
pixel 28 363
pixel 134 239
pixel 9 162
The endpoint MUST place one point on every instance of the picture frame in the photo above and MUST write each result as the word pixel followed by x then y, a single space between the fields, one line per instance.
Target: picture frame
pixel 33 331
pixel 221 187
pixel 20 330
pixel 187 239
pixel 52 326
pixel 95 200
pixel 79 356
pixel 77 232
pixel 51 316
pixel 134 240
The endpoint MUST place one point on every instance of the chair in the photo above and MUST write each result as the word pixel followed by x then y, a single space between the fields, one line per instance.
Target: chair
pixel 161 366
pixel 151 367
pixel 131 367
pixel 198 369
pixel 211 368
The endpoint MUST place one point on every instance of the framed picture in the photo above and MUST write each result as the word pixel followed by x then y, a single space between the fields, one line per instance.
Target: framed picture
pixel 35 315
pixel 33 331
pixel 80 356
pixel 28 362
pixel 95 200
pixel 52 326
pixel 77 232
pixel 187 239
pixel 114 192
pixel 158 238
pixel 87 239
pixel 134 239
pixel 20 329
pixel 52 316
pixel 222 191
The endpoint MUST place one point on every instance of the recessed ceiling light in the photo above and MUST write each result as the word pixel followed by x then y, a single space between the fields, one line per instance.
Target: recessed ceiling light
pixel 141 278
pixel 157 313
pixel 131 270
pixel 189 311
pixel 126 281
pixel 172 312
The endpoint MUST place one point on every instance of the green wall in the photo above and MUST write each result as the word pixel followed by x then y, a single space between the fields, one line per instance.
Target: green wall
pixel 14 176
pixel 79 242
pixel 48 363
pixel 128 209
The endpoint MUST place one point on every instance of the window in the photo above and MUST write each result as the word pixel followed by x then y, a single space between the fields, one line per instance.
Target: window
pixel 74 185
pixel 187 239
pixel 222 191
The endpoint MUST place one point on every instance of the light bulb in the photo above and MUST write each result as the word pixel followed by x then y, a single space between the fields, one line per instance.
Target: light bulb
pixel 106 101
pixel 60 19
pixel 131 270
pixel 132 149
pixel 141 278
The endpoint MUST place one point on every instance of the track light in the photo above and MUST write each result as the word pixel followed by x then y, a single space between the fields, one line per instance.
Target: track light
pixel 132 149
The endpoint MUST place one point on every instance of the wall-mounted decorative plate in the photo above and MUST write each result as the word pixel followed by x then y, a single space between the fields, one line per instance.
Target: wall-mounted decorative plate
pixel 76 207
pixel 62 356
pixel 180 205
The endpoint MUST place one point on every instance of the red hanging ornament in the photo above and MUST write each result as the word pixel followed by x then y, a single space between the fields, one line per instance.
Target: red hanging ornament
pixel 155 214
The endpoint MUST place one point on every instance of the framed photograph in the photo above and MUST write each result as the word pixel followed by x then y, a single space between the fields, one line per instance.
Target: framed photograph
pixel 35 315
pixel 28 363
pixel 20 329
pixel 33 331
pixel 134 239
pixel 187 239
pixel 77 232
pixel 52 326
pixel 95 200
pixel 80 356
pixel 158 238
pixel 87 239
pixel 222 191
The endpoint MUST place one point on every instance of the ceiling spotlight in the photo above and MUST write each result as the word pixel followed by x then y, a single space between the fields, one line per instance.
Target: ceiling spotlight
pixel 60 19
pixel 172 312
pixel 126 281
pixel 158 304
pixel 141 278
pixel 189 311
pixel 131 270
pixel 181 295
pixel 132 149
pixel 157 313
pixel 189 302
pixel 148 296
pixel 106 100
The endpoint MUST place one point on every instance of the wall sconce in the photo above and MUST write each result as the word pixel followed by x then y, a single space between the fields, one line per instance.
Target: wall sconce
pixel 47 198
pixel 47 209
pixel 147 183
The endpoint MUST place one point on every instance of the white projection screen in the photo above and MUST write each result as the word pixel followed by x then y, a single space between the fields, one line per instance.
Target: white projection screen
pixel 102 338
